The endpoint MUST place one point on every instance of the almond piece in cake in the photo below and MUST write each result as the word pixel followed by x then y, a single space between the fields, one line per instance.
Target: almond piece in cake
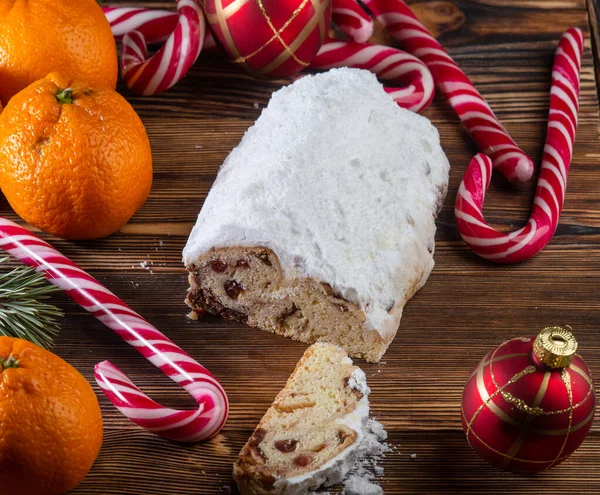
pixel 310 436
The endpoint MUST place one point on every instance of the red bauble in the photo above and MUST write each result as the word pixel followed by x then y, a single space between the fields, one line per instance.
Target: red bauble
pixel 529 403
pixel 270 38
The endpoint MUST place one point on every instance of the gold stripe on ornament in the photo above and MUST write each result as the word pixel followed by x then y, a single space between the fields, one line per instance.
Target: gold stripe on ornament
pixel 483 393
pixel 485 361
pixel 579 371
pixel 485 397
pixel 507 419
pixel 226 12
pixel 500 414
pixel 488 399
pixel 566 378
pixel 231 47
pixel 276 35
pixel 516 445
pixel 322 27
pixel 527 461
pixel 522 405
pixel 564 431
pixel 301 38
pixel 289 51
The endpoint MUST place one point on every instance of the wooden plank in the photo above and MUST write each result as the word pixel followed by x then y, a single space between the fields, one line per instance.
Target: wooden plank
pixel 467 307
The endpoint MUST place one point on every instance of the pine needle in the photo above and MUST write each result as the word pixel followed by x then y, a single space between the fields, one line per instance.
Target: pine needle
pixel 23 314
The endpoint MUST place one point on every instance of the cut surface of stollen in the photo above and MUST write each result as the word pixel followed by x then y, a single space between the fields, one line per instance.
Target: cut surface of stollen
pixel 310 436
pixel 320 225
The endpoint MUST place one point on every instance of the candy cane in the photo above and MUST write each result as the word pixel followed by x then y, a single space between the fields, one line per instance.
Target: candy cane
pixel 467 102
pixel 387 63
pixel 155 25
pixel 152 75
pixel 520 245
pixel 352 20
pixel 184 426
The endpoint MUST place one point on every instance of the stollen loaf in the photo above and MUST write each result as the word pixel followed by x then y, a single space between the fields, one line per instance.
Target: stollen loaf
pixel 320 225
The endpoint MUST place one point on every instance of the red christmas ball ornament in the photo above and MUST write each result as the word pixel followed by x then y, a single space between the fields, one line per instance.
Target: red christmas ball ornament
pixel 270 38
pixel 530 402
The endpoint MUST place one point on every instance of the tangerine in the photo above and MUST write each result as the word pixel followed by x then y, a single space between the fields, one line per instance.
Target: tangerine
pixel 75 160
pixel 51 422
pixel 41 36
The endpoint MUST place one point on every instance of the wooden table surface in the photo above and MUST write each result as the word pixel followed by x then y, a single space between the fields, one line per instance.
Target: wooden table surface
pixel 467 307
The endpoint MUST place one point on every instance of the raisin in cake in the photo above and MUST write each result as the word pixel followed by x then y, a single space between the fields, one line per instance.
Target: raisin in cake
pixel 321 222
pixel 311 434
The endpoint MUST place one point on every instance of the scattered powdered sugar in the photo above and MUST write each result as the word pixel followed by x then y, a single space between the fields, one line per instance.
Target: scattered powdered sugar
pixel 146 265
pixel 371 451
pixel 360 479
pixel 357 485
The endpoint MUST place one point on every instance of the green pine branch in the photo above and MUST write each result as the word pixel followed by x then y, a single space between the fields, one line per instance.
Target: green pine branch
pixel 23 313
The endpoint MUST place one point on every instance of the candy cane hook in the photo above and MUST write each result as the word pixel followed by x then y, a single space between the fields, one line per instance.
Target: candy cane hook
pixel 152 75
pixel 183 426
pixel 387 63
pixel 520 245
pixel 472 109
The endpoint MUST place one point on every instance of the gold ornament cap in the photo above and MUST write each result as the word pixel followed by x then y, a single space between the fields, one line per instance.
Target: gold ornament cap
pixel 555 346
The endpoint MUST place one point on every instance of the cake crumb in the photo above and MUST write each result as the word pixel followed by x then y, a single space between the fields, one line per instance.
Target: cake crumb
pixel 161 243
pixel 198 146
pixel 256 105
pixel 413 456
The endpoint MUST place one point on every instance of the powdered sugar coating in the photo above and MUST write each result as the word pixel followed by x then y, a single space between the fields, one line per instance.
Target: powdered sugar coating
pixel 341 184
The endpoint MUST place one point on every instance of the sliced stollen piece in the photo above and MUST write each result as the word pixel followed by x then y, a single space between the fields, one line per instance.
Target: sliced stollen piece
pixel 321 222
pixel 311 435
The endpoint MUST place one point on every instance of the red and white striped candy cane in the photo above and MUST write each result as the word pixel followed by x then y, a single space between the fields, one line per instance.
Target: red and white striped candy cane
pixel 389 64
pixel 183 426
pixel 520 245
pixel 352 20
pixel 148 76
pixel 155 25
pixel 475 113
